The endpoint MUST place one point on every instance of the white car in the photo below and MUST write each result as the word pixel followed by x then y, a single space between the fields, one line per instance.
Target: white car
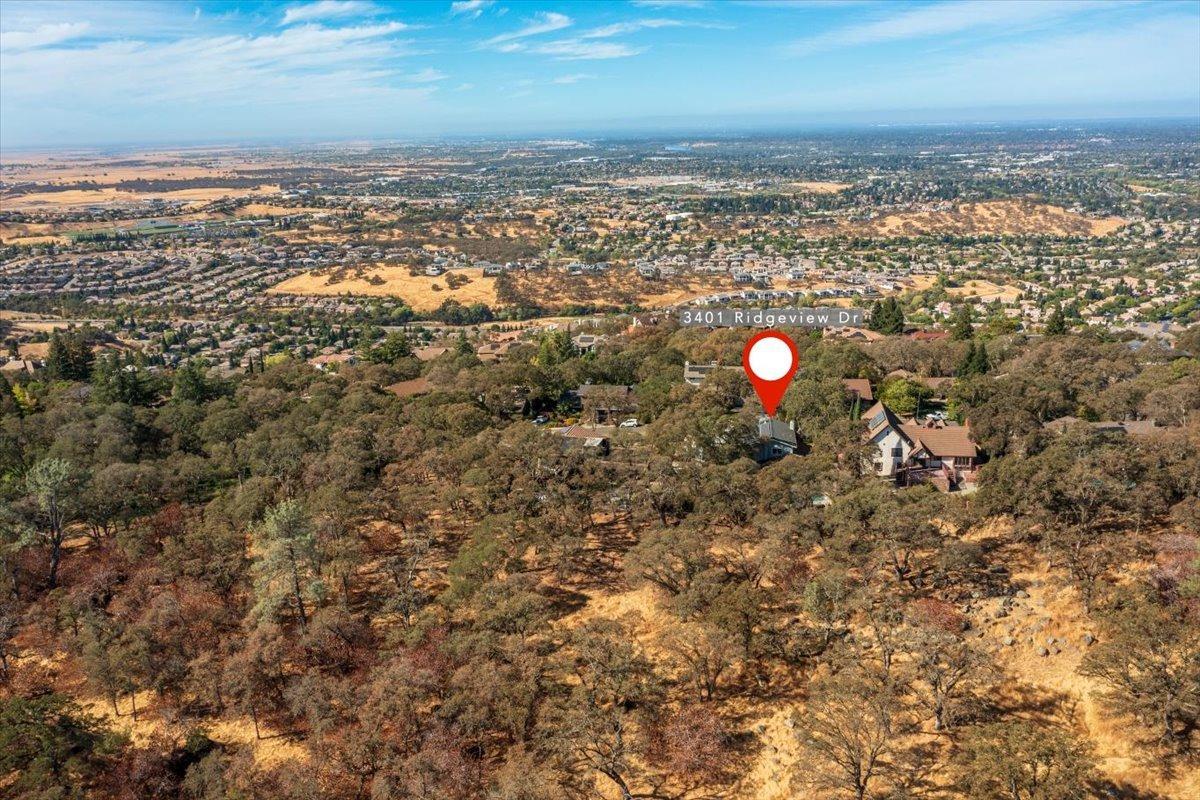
pixel 629 423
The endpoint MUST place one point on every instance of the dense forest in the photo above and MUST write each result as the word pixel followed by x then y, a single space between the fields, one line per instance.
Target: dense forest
pixel 299 584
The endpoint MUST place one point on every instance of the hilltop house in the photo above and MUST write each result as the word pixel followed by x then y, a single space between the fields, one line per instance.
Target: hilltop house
pixel 909 452
pixel 606 404
pixel 776 439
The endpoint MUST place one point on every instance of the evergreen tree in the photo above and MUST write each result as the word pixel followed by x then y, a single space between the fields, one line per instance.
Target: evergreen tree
pixel 962 329
pixel 887 316
pixel 876 316
pixel 554 348
pixel 463 346
pixel 980 363
pixel 394 347
pixel 192 383
pixel 287 569
pixel 1056 324
pixel 967 364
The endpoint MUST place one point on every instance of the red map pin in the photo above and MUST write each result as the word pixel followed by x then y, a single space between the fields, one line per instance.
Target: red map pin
pixel 770 360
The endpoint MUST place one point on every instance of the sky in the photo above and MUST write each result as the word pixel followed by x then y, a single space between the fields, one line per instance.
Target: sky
pixel 108 73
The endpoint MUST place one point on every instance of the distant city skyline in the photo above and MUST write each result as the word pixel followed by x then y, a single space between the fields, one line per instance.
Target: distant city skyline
pixel 156 73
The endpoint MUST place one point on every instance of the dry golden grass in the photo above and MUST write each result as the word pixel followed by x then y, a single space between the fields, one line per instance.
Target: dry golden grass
pixel 417 290
pixel 268 210
pixel 819 187
pixel 548 289
pixel 985 290
pixel 103 197
pixel 1066 699
pixel 994 217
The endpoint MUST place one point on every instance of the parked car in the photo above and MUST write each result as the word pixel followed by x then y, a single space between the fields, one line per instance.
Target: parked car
pixel 540 419
pixel 629 423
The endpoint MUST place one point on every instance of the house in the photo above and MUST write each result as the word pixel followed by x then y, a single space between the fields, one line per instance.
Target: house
pixel 494 351
pixel 695 374
pixel 776 439
pixel 852 334
pixel 410 388
pixel 859 387
pixel 604 403
pixel 891 446
pixel 943 451
pixel 331 361
pixel 587 342
pixel 430 353
pixel 909 452
pixel 17 365
pixel 589 439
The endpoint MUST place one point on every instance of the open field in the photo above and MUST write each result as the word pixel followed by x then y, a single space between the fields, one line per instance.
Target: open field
pixel 422 292
pixel 550 289
pixel 818 187
pixel 998 217
pixel 986 290
pixel 69 198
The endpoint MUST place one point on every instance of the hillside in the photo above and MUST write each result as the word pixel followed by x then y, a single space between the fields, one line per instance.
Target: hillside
pixel 296 582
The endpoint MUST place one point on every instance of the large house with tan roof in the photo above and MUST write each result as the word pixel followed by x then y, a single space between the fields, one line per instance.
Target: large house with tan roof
pixel 908 451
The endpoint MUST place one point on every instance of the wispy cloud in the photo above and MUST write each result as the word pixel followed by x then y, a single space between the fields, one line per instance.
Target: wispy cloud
pixel 576 78
pixel 427 75
pixel 327 9
pixel 470 8
pixel 619 28
pixel 543 22
pixel 943 19
pixel 42 36
pixel 579 49
pixel 305 63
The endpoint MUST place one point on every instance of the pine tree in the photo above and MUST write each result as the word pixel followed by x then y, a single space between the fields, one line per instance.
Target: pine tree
pixel 286 571
pixel 980 363
pixel 967 364
pixel 1056 324
pixel 876 316
pixel 889 318
pixel 962 329
pixel 58 361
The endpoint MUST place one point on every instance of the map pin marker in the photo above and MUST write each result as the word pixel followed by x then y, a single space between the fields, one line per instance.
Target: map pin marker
pixel 770 360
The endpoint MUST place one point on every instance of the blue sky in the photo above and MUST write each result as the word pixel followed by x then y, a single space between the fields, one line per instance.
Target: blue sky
pixel 95 73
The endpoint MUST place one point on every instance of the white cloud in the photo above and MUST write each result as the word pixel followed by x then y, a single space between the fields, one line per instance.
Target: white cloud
pixel 42 35
pixel 304 63
pixel 427 75
pixel 943 19
pixel 543 22
pixel 470 8
pixel 327 9
pixel 618 28
pixel 577 49
pixel 576 78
